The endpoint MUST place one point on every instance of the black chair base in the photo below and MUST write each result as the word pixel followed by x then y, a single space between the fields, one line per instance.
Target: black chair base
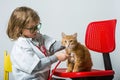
pixel 89 78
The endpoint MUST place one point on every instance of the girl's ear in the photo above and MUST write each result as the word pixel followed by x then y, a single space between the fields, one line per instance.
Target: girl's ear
pixel 63 34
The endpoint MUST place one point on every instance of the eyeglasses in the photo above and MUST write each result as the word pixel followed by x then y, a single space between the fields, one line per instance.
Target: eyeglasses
pixel 33 29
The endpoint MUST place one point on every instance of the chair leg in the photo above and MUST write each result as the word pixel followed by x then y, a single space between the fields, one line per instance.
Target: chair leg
pixel 6 74
pixel 88 78
pixel 78 79
pixel 105 78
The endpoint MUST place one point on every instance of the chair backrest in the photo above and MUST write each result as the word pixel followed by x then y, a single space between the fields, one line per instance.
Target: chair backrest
pixel 100 36
pixel 7 65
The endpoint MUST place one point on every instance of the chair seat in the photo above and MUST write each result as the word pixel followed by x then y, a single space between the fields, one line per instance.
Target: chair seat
pixel 61 72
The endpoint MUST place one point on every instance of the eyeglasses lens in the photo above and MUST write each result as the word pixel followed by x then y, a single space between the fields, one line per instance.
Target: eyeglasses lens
pixel 38 27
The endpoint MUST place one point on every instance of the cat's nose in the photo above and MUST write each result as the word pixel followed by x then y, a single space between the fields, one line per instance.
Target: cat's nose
pixel 67 46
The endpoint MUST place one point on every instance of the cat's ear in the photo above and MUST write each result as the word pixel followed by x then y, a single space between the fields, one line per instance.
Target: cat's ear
pixel 63 34
pixel 75 35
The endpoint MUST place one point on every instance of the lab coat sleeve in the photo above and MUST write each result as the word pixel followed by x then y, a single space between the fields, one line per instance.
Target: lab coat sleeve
pixel 52 45
pixel 44 63
pixel 56 46
pixel 48 41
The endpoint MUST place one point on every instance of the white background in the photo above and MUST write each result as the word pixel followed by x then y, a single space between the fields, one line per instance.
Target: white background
pixel 67 16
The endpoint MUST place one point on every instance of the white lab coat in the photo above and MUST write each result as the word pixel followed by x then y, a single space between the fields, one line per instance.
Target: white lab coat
pixel 28 62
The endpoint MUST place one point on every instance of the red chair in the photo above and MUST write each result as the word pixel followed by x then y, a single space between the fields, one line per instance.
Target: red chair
pixel 100 37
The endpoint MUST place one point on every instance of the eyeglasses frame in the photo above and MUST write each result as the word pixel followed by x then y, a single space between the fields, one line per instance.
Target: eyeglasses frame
pixel 33 29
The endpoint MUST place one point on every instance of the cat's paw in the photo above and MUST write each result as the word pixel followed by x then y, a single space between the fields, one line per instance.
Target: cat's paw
pixel 75 71
pixel 68 70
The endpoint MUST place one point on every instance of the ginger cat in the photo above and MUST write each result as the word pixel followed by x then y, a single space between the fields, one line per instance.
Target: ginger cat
pixel 79 56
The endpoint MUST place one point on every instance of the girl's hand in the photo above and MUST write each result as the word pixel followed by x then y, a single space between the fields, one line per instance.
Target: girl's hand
pixel 61 55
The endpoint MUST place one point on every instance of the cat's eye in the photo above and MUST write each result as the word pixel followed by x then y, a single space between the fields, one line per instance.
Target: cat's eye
pixel 65 41
pixel 71 40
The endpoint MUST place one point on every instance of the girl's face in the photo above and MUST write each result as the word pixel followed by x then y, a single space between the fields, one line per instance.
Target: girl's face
pixel 31 30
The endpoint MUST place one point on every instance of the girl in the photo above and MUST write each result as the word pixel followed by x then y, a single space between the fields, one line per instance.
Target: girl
pixel 32 53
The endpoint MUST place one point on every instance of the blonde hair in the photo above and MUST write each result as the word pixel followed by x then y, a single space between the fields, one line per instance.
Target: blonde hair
pixel 19 18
